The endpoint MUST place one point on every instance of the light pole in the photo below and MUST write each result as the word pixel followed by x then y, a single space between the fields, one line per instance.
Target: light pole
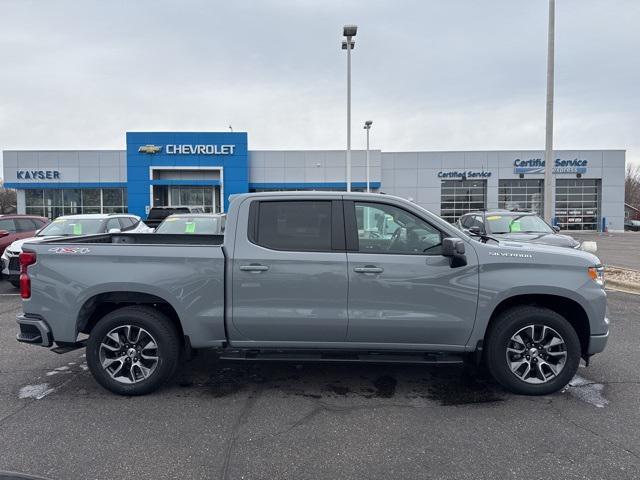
pixel 367 127
pixel 548 150
pixel 349 31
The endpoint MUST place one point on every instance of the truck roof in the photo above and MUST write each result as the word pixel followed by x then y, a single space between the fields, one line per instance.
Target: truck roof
pixel 315 193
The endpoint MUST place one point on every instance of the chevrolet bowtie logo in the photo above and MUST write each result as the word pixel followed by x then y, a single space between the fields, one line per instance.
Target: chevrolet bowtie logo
pixel 149 149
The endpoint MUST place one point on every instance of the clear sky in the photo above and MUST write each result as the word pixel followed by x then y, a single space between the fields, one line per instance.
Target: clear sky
pixel 432 75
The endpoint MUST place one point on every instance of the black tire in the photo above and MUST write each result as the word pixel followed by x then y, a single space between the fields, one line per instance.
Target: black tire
pixel 15 283
pixel 163 332
pixel 508 324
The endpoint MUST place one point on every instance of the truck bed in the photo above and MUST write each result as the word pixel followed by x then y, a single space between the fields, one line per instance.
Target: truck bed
pixel 142 239
pixel 183 271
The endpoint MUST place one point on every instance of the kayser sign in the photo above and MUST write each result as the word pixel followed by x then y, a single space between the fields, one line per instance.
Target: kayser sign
pixel 38 174
pixel 536 165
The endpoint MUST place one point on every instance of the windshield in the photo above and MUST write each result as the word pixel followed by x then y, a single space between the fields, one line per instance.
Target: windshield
pixel 515 223
pixel 204 225
pixel 72 226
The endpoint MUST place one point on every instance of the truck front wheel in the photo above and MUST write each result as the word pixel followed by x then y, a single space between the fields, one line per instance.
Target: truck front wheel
pixel 532 350
pixel 133 350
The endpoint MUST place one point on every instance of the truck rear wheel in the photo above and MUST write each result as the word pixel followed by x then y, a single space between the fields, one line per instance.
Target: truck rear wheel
pixel 532 350
pixel 133 350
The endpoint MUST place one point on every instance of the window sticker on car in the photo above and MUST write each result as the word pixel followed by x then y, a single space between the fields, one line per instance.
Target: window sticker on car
pixel 515 226
pixel 77 229
pixel 494 217
pixel 190 227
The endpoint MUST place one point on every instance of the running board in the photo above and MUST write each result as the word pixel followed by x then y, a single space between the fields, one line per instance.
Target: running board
pixel 68 347
pixel 358 357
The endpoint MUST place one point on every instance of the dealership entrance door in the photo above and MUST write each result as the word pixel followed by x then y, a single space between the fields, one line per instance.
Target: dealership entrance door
pixel 204 198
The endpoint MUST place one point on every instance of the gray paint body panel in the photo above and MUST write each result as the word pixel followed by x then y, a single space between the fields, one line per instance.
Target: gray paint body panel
pixel 312 299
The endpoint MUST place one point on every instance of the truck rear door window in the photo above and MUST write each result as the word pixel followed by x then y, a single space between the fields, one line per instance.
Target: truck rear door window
pixel 294 225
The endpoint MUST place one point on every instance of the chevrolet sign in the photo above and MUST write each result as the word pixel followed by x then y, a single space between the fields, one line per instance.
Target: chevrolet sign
pixel 200 149
pixel 149 149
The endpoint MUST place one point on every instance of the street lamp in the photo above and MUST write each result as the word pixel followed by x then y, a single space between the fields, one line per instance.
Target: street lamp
pixel 548 148
pixel 349 31
pixel 367 127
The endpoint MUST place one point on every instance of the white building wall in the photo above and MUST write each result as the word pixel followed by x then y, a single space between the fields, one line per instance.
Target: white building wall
pixel 315 166
pixel 414 175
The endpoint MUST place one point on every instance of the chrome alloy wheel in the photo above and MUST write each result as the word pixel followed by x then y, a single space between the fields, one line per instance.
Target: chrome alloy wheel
pixel 536 354
pixel 129 354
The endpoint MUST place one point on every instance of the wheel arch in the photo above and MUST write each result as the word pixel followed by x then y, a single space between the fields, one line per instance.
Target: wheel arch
pixel 568 308
pixel 101 304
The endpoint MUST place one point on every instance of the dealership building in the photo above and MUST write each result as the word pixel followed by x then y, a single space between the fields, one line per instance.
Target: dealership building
pixel 203 169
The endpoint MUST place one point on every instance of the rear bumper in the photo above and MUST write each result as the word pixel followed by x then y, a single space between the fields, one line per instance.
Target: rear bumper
pixel 34 330
pixel 597 343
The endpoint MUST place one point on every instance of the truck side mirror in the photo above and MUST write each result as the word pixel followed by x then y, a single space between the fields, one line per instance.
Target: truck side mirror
pixel 114 230
pixel 455 250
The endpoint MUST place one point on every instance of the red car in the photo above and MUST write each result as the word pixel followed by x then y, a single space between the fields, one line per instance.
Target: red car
pixel 14 227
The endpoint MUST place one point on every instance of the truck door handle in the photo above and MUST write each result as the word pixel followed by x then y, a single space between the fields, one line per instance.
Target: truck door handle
pixel 254 268
pixel 368 269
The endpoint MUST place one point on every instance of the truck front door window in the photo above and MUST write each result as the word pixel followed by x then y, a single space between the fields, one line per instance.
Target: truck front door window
pixel 388 229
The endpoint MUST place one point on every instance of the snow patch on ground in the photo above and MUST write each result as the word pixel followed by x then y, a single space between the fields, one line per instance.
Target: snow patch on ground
pixel 35 391
pixel 587 391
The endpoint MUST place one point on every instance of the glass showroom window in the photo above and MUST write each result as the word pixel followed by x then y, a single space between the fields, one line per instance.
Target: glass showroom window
pixel 521 195
pixel 458 197
pixel 114 200
pixel 34 202
pixel 55 202
pixel 577 203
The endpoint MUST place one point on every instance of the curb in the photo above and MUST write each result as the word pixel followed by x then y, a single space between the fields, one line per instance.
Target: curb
pixel 625 287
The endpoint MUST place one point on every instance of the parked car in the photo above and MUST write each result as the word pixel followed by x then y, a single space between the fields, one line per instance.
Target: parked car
pixel 632 225
pixel 204 223
pixel 65 226
pixel 158 214
pixel 16 227
pixel 293 279
pixel 515 226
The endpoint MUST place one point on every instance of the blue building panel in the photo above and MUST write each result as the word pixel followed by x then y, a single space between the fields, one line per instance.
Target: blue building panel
pixel 227 150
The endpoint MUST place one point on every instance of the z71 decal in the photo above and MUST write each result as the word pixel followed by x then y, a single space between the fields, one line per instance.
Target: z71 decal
pixel 70 250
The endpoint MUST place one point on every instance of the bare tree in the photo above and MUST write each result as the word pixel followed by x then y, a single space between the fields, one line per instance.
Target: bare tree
pixel 632 185
pixel 7 200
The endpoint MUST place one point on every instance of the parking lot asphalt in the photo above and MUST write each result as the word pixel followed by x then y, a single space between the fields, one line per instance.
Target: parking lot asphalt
pixel 619 249
pixel 249 420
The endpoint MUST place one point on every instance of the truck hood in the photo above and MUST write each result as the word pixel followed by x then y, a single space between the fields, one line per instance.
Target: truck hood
pixel 554 239
pixel 538 253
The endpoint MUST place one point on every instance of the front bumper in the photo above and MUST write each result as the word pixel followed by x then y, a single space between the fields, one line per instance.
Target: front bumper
pixel 597 343
pixel 34 330
pixel 10 265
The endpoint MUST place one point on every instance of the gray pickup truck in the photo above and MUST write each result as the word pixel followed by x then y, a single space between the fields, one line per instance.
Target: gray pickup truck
pixel 317 276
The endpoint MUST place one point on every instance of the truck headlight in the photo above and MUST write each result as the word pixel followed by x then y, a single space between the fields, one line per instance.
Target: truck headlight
pixel 597 274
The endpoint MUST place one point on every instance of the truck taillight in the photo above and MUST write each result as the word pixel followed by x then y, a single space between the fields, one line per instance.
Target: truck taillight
pixel 26 259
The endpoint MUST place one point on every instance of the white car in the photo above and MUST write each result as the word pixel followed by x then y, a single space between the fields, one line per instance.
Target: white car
pixel 71 225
